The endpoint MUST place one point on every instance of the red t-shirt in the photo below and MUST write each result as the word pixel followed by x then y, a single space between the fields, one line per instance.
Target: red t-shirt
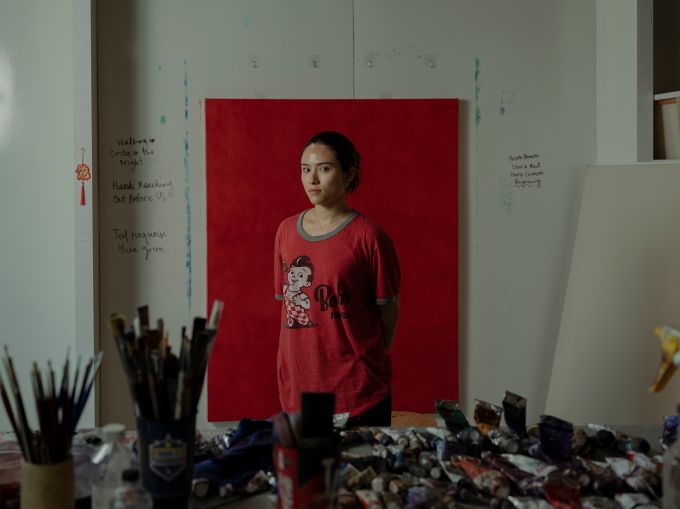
pixel 331 333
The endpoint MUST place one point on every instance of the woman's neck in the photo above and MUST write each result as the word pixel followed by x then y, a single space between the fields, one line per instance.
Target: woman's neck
pixel 327 216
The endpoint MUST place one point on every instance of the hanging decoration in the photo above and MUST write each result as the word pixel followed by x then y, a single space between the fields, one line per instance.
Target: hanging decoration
pixel 82 174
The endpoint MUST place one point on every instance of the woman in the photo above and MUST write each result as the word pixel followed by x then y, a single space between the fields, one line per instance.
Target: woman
pixel 338 275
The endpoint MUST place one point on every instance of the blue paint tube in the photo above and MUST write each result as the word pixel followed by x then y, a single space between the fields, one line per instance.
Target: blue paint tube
pixel 556 435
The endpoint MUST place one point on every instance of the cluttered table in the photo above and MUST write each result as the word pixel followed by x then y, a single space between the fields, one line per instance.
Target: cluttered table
pixel 395 467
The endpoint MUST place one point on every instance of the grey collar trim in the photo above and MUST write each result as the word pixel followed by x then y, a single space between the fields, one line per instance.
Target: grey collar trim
pixel 353 213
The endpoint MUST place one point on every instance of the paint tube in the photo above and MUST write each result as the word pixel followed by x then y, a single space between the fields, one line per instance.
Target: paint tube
pixel 486 479
pixel 487 416
pixel 645 462
pixel 200 487
pixel 463 486
pixel 609 437
pixel 340 420
pixel 530 465
pixel 513 473
pixel 562 493
pixel 361 480
pixel 226 490
pixel 670 430
pixel 436 473
pixel 369 499
pixel 637 444
pixel 453 416
pixel 347 499
pixel 394 434
pixel 635 501
pixel 604 481
pixel 599 503
pixel 416 470
pixel 528 503
pixel 380 451
pixel 417 496
pixel 427 459
pixel 578 440
pixel 515 408
pixel 400 485
pixel 381 482
pixel 469 434
pixel 633 475
pixel 578 474
pixel 555 435
pixel 362 462
pixel 392 501
pixel 383 438
pixel 396 458
pixel 504 442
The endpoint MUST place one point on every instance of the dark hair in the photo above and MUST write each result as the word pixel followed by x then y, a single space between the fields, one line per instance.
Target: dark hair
pixel 345 152
pixel 303 261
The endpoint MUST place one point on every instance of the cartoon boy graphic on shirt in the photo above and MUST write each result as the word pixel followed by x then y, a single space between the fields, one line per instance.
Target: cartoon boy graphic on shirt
pixel 300 275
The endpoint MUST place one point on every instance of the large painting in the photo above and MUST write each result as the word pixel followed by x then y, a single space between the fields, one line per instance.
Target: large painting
pixel 409 186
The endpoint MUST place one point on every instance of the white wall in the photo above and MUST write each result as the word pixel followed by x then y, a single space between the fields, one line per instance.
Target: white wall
pixel 624 81
pixel 38 191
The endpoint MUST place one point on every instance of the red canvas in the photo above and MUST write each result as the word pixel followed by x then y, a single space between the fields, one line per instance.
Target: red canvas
pixel 409 186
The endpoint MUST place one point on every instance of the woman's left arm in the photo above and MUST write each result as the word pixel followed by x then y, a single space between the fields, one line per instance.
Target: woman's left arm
pixel 389 315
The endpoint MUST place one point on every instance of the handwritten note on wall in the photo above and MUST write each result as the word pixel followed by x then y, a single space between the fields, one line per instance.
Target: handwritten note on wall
pixel 526 171
pixel 137 185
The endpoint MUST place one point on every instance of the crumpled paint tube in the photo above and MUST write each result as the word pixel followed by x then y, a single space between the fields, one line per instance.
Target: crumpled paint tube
pixel 503 441
pixel 635 501
pixel 529 503
pixel 453 416
pixel 562 493
pixel 555 434
pixel 531 465
pixel 487 416
pixel 486 479
pixel 604 481
pixel 510 471
pixel 599 503
pixel 515 412
pixel 670 430
pixel 369 499
pixel 633 475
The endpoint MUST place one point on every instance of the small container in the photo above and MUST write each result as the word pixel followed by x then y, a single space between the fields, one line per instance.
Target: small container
pixel 47 486
pixel 110 460
pixel 131 494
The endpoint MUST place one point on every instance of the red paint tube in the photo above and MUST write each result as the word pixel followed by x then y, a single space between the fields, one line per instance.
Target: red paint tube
pixel 488 480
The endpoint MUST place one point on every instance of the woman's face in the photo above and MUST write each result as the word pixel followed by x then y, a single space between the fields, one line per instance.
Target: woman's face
pixel 322 177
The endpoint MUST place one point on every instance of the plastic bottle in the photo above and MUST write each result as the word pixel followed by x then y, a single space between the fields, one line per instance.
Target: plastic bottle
pixel 111 460
pixel 131 494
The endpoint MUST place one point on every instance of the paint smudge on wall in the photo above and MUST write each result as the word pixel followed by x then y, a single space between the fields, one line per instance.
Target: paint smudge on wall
pixel 505 195
pixel 478 113
pixel 187 188
pixel 163 119
pixel 248 22
pixel 507 97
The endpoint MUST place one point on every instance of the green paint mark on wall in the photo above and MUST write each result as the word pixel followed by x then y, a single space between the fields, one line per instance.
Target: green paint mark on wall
pixel 162 119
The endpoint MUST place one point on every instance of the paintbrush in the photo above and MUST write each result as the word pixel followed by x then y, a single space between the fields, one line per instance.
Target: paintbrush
pixel 19 403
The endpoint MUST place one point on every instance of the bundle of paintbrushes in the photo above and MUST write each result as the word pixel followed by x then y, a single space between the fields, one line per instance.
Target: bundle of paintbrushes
pixel 59 408
pixel 162 385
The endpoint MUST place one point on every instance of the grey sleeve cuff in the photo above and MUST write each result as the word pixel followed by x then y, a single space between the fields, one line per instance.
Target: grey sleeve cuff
pixel 388 300
pixel 278 297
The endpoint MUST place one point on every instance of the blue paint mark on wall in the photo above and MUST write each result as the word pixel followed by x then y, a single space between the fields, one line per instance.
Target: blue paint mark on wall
pixel 187 188
pixel 478 113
